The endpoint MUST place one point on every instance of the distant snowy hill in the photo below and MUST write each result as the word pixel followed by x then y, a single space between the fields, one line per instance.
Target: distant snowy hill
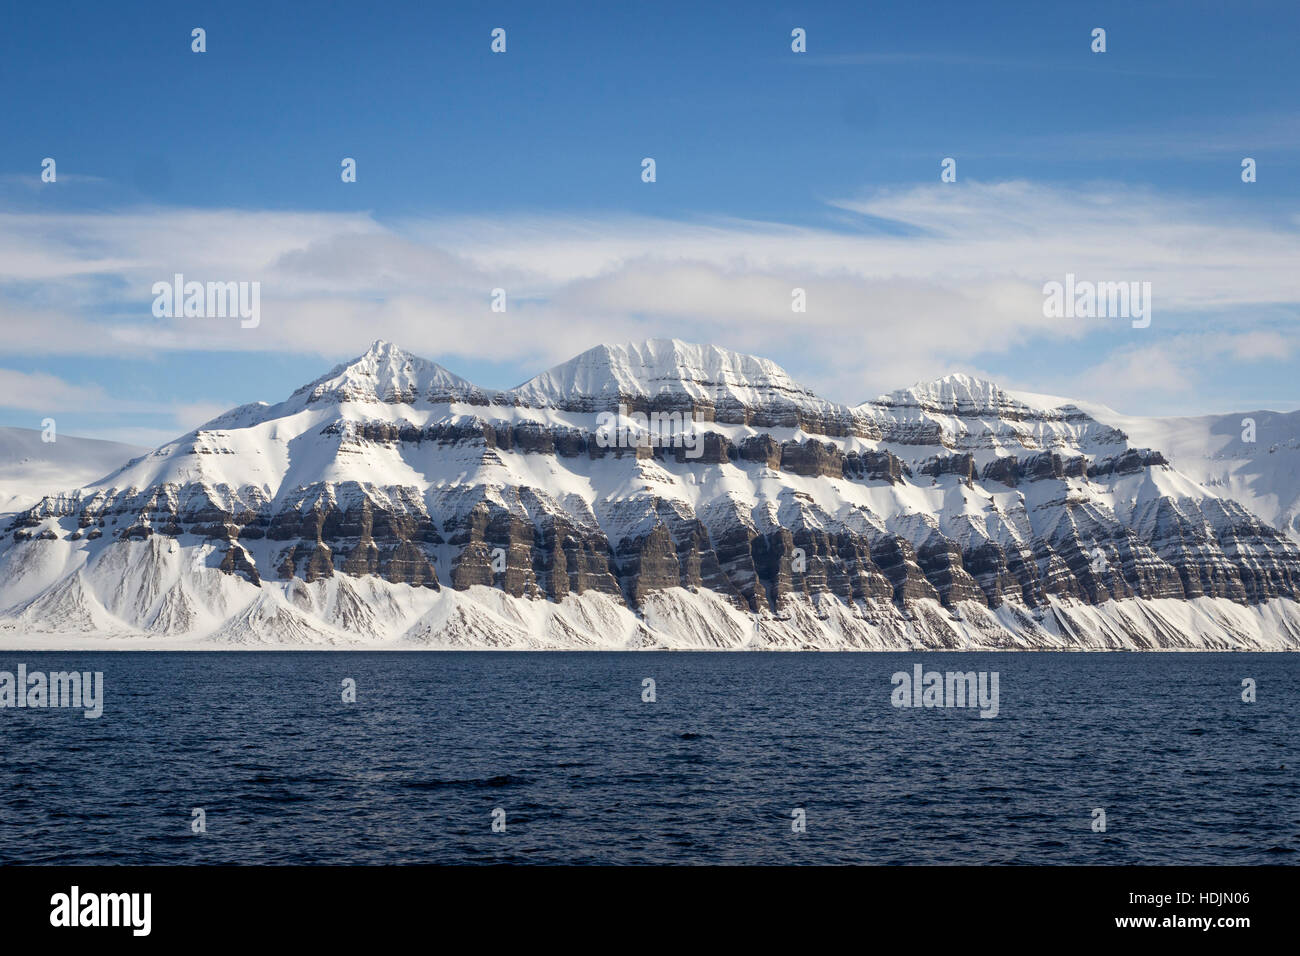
pixel 393 503
pixel 1212 450
pixel 31 468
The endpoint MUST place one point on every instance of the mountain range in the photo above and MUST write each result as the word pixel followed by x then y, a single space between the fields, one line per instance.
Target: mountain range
pixel 393 503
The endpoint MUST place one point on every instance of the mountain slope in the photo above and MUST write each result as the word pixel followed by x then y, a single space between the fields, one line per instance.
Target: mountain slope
pixel 391 502
pixel 1216 452
pixel 31 467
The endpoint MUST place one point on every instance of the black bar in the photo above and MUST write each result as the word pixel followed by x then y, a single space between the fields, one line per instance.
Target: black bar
pixel 947 904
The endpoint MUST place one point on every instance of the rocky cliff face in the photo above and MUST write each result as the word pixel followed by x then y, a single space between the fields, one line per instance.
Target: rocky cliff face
pixel 392 500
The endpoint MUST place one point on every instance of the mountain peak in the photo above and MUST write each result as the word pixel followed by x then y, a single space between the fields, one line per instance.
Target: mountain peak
pixel 662 368
pixel 389 374
pixel 962 380
pixel 382 349
pixel 955 393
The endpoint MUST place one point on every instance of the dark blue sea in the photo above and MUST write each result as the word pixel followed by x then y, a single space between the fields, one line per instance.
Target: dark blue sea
pixel 710 772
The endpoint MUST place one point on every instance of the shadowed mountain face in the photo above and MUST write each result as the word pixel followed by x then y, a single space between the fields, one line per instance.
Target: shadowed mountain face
pixel 652 495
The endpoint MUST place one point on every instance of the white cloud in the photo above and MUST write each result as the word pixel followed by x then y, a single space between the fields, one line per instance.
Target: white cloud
pixel 907 284
pixel 43 393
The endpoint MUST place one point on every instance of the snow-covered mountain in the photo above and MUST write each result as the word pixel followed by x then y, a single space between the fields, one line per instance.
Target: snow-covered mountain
pixel 1251 457
pixel 668 375
pixel 393 503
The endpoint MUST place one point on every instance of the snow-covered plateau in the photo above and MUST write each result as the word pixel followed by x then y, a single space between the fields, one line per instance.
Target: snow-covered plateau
pixel 393 504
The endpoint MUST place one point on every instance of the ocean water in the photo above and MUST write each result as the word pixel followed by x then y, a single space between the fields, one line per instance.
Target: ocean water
pixel 710 772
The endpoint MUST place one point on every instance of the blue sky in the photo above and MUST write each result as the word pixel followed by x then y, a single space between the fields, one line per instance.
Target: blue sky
pixel 522 170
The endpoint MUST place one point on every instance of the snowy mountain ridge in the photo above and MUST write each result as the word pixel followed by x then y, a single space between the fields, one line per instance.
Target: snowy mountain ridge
pixel 391 502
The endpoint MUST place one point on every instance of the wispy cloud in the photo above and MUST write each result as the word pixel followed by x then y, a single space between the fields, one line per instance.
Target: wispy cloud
pixel 953 277
pixel 40 392
pixel 44 395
